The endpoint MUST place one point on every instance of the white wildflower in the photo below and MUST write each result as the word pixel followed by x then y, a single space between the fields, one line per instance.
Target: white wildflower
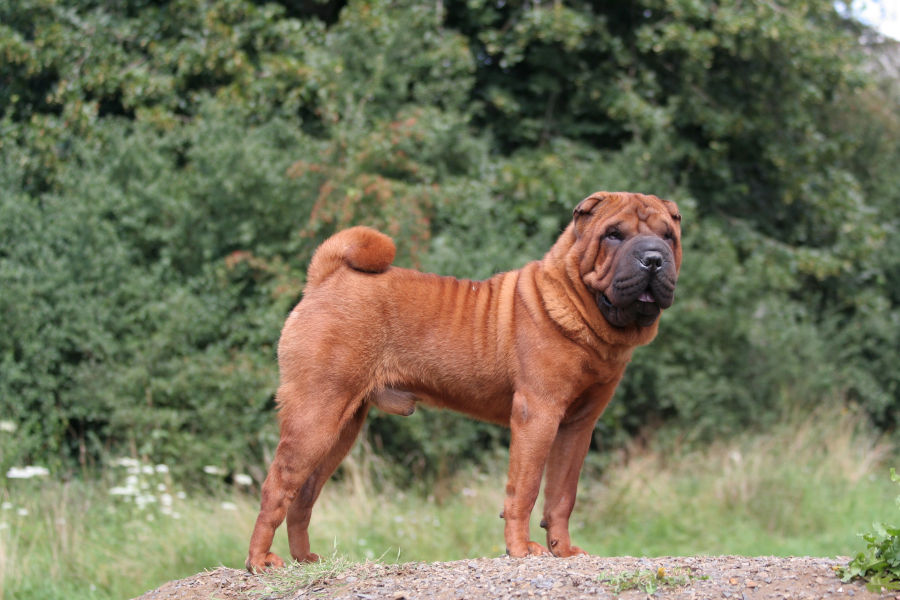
pixel 22 512
pixel 126 462
pixel 243 479
pixel 7 426
pixel 229 506
pixel 27 472
pixel 143 500
pixel 6 505
pixel 161 468
pixel 213 470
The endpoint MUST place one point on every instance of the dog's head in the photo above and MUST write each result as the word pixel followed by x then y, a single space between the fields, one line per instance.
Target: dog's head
pixel 630 253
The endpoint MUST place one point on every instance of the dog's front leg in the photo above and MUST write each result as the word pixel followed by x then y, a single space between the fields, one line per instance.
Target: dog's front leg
pixel 573 439
pixel 532 433
pixel 563 467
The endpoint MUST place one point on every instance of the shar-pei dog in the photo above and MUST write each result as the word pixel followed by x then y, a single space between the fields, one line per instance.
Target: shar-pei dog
pixel 539 350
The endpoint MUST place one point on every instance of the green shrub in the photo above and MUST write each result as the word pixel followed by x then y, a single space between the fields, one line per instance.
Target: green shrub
pixel 165 184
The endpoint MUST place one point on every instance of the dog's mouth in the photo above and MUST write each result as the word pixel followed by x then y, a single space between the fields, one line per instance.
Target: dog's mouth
pixel 642 286
pixel 643 311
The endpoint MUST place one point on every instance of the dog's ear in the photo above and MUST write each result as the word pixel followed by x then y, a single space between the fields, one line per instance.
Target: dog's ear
pixel 585 208
pixel 587 205
pixel 673 210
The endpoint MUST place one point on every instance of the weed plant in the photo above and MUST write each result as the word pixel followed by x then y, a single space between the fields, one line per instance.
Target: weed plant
pixel 647 581
pixel 879 563
pixel 301 576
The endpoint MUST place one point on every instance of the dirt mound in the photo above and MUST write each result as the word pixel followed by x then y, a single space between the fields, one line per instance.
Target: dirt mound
pixel 675 578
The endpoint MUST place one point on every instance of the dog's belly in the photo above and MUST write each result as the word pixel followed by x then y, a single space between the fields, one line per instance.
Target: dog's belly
pixel 491 407
pixel 402 402
pixel 448 342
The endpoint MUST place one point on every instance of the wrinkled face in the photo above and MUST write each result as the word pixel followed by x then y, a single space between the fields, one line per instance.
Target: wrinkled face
pixel 630 255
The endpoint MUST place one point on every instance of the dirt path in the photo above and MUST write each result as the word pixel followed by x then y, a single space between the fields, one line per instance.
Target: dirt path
pixel 683 578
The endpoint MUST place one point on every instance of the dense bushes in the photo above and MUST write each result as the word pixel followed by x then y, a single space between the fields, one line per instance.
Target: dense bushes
pixel 165 184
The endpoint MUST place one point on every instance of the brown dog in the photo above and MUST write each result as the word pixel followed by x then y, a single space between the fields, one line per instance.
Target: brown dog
pixel 540 350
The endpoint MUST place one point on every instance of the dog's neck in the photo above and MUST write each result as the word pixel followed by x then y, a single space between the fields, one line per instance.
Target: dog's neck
pixel 572 306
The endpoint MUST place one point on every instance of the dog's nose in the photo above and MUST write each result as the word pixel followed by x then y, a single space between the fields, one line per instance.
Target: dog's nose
pixel 651 260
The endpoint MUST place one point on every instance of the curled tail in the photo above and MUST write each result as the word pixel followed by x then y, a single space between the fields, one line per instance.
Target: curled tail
pixel 360 248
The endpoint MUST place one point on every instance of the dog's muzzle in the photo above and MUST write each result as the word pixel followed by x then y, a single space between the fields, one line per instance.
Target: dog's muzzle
pixel 643 285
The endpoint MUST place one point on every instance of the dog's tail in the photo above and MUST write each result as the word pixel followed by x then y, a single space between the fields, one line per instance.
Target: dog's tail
pixel 360 248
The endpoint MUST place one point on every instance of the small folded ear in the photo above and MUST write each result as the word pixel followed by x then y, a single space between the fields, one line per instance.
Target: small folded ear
pixel 673 210
pixel 586 207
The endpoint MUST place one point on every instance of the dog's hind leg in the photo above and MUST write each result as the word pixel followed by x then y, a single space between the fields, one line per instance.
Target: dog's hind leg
pixel 310 428
pixel 301 508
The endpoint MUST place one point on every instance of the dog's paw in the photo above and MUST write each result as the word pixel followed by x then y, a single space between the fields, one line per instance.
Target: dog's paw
pixel 535 549
pixel 310 557
pixel 270 561
pixel 528 549
pixel 567 552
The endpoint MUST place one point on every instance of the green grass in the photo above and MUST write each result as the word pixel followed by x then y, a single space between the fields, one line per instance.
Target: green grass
pixel 806 487
pixel 647 581
pixel 296 576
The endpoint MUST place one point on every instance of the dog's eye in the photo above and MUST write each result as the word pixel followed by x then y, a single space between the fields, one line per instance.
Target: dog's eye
pixel 614 234
pixel 669 237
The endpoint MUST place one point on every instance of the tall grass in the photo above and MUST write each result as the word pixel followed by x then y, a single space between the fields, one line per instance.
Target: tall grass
pixel 805 487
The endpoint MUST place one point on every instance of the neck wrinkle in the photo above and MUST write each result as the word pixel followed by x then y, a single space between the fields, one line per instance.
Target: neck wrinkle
pixel 568 303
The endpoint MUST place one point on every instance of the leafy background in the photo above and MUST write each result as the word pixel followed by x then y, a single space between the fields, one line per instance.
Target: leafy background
pixel 168 168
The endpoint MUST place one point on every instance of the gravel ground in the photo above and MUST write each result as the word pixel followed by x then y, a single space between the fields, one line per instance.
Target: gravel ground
pixel 697 577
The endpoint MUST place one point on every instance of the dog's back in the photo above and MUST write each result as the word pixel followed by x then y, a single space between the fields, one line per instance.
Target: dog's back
pixel 443 340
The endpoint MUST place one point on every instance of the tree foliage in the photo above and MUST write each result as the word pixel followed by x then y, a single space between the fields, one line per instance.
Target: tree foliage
pixel 168 168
